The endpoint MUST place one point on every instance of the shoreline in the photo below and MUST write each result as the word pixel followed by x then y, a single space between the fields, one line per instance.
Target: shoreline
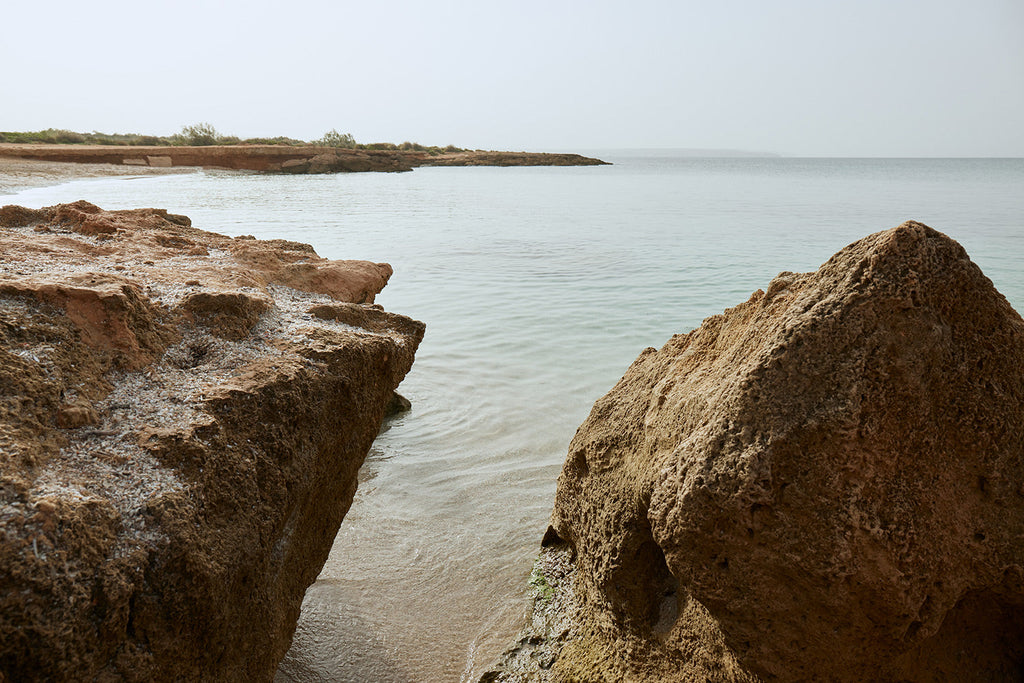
pixel 24 174
pixel 276 158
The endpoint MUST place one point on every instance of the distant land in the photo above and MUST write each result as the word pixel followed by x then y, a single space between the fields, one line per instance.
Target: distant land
pixel 684 152
pixel 281 158
pixel 203 146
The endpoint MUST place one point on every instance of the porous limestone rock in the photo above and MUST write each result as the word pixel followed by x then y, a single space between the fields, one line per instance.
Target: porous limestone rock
pixel 824 483
pixel 179 439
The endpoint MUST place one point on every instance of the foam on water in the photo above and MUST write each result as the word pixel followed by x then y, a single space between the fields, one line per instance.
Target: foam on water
pixel 538 286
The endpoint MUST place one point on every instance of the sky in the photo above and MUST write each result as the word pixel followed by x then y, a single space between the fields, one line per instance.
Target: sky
pixel 793 77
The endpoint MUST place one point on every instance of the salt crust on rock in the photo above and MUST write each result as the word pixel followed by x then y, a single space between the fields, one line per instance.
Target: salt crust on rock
pixel 180 430
pixel 825 483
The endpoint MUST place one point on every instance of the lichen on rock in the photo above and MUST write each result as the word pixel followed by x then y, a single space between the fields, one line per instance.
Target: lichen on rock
pixel 825 482
pixel 179 439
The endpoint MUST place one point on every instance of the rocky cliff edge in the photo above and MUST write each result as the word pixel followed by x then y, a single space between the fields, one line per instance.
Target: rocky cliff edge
pixel 182 416
pixel 825 483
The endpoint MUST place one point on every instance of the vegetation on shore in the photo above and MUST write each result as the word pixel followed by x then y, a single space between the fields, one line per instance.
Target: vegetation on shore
pixel 202 134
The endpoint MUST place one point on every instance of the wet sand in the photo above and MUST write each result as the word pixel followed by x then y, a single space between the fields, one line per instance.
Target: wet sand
pixel 20 174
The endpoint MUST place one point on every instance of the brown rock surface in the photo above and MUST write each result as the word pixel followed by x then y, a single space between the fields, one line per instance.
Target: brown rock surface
pixel 179 439
pixel 825 483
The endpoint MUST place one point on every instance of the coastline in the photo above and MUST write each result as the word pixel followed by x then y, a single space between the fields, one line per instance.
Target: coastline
pixel 275 158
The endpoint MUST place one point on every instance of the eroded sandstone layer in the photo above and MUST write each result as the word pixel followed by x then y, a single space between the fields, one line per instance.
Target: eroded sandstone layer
pixel 182 416
pixel 825 483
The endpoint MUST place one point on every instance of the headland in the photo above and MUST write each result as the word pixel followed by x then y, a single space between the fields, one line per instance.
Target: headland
pixel 281 158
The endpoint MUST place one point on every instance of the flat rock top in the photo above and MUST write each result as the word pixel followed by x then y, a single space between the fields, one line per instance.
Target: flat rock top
pixel 163 253
pixel 85 293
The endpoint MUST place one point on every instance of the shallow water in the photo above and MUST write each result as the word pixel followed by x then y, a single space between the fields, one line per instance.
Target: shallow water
pixel 538 286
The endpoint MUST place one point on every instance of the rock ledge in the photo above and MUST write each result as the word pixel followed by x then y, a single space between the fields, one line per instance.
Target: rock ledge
pixel 182 416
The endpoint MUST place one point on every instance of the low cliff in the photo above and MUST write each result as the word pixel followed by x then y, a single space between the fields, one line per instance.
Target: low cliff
pixel 182 416
pixel 825 483
pixel 482 158
pixel 272 158
pixel 283 158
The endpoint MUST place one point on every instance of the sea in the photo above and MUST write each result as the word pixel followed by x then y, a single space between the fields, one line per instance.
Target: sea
pixel 538 286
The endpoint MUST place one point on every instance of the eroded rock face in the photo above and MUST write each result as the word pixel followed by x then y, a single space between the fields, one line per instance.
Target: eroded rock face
pixel 823 483
pixel 179 439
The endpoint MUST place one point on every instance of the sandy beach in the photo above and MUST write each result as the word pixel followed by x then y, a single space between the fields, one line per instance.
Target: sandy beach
pixel 20 174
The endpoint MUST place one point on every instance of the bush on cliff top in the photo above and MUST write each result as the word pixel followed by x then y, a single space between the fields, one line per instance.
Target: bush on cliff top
pixel 279 140
pixel 54 136
pixel 67 137
pixel 335 139
pixel 198 135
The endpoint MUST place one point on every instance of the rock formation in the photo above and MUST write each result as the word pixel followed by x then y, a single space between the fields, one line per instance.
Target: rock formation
pixel 482 158
pixel 283 158
pixel 182 416
pixel 825 483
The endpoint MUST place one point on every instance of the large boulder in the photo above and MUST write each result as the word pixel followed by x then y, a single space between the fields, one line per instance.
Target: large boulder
pixel 179 439
pixel 824 483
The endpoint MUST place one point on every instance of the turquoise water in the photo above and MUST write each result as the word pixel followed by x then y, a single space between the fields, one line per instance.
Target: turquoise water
pixel 538 286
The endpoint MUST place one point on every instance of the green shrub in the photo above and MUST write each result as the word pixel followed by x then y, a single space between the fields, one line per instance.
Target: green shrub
pixel 198 135
pixel 67 137
pixel 279 140
pixel 333 138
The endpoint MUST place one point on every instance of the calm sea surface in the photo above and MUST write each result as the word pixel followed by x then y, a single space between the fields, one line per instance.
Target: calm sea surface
pixel 538 286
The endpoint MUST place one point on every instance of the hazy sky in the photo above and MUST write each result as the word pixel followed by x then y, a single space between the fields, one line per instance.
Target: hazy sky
pixel 799 77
